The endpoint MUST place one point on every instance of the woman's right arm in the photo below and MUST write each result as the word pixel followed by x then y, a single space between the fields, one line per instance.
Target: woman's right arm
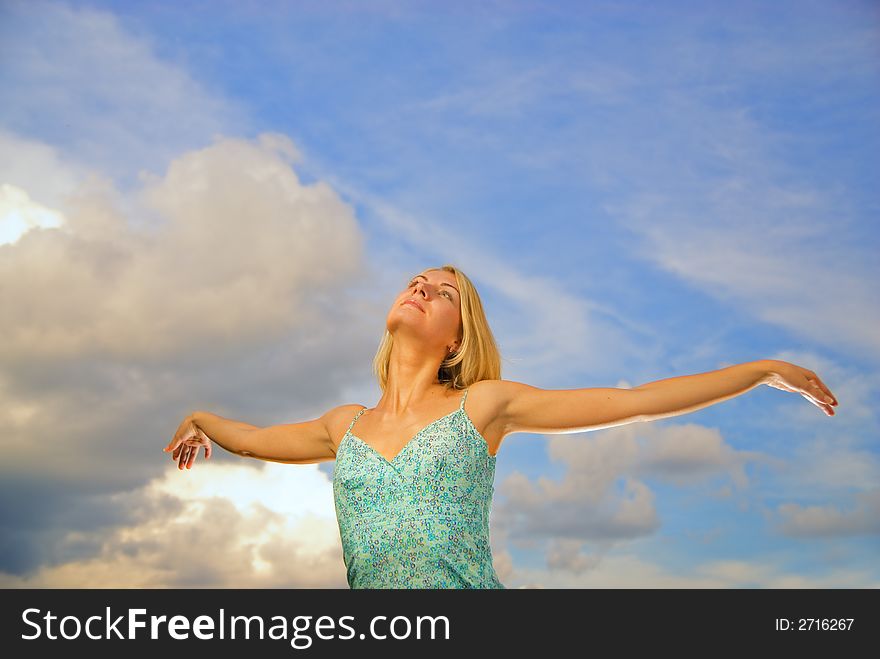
pixel 293 443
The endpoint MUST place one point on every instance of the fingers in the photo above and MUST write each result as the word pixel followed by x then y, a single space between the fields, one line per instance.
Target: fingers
pixel 183 432
pixel 817 392
pixel 821 392
pixel 176 443
pixel 185 448
pixel 207 442
pixel 173 444
pixel 809 385
pixel 183 457
pixel 820 399
pixel 832 399
pixel 825 407
pixel 822 402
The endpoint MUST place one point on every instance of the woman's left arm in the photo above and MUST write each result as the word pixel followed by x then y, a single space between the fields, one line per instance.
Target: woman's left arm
pixel 688 393
pixel 522 408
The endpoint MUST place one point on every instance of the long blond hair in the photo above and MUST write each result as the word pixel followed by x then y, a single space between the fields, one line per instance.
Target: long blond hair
pixel 477 357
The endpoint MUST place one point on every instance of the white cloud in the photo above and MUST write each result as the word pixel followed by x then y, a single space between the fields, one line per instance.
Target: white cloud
pixel 214 526
pixel 551 331
pixel 235 250
pixel 833 463
pixel 19 214
pixel 689 452
pixel 227 284
pixel 586 504
pixel 565 554
pixel 86 82
pixel 750 235
pixel 830 521
pixel 627 570
pixel 291 490
pixel 38 170
pixel 109 295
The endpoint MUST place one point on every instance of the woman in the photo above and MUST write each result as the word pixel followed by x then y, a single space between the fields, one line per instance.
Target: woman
pixel 413 487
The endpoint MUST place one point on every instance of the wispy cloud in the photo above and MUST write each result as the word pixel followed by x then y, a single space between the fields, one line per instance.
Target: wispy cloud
pixel 543 329
pixel 88 84
pixel 791 273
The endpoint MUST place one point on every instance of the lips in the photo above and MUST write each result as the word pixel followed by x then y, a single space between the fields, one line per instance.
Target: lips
pixel 415 304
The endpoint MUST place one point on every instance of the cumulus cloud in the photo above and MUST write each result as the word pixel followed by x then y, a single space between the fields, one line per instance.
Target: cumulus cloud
pixel 225 284
pixel 620 569
pixel 565 554
pixel 38 170
pixel 19 214
pixel 239 256
pixel 835 462
pixel 602 498
pixel 215 526
pixel 830 521
pixel 687 453
pixel 236 245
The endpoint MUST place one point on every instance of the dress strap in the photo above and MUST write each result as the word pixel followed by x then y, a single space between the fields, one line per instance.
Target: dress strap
pixel 464 395
pixel 356 417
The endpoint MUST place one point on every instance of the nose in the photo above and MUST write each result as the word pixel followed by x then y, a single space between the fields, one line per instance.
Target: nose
pixel 420 287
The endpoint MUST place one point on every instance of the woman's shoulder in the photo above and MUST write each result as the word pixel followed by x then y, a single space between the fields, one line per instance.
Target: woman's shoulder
pixel 491 400
pixel 346 412
pixel 338 418
pixel 492 394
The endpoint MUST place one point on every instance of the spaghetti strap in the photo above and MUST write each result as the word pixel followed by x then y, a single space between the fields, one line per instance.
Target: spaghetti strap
pixel 356 417
pixel 464 395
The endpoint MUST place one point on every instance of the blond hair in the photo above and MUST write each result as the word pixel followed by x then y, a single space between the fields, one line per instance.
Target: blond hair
pixel 477 357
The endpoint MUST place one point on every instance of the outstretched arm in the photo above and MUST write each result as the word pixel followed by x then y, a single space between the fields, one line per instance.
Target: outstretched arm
pixel 523 408
pixel 293 443
pixel 688 393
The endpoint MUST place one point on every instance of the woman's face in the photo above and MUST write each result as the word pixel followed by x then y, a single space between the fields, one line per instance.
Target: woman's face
pixel 437 311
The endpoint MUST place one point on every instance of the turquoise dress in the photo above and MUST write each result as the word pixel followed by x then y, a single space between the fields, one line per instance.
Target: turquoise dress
pixel 420 520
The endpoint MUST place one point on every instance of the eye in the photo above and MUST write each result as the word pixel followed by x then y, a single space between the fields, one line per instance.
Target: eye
pixel 447 293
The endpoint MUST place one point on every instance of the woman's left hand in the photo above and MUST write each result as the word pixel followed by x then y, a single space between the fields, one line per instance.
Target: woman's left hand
pixel 790 377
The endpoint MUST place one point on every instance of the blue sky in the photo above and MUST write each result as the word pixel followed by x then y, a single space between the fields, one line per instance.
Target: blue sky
pixel 211 206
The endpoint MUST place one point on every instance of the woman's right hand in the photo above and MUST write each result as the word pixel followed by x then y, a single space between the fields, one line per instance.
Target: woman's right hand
pixel 184 446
